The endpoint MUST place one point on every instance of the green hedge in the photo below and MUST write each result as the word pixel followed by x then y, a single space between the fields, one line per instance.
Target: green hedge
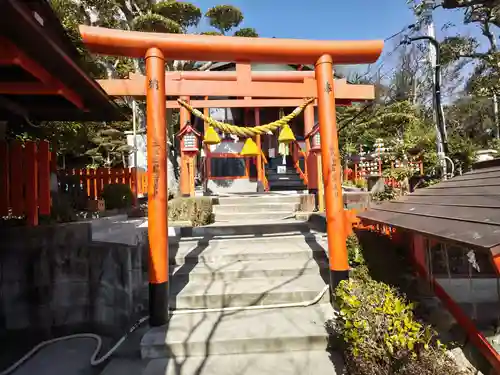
pixel 117 196
pixel 377 330
pixel 199 211
pixel 379 334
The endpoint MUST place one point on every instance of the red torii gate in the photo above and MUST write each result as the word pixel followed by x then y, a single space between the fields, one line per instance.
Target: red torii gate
pixel 154 47
pixel 257 90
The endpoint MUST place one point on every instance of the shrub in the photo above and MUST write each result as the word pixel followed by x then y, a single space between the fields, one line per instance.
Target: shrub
pixel 361 183
pixel 117 196
pixel 354 253
pixel 71 190
pixel 388 194
pixel 379 334
pixel 198 211
pixel 63 209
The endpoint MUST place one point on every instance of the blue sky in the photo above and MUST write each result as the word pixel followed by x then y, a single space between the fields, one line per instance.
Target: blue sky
pixel 333 19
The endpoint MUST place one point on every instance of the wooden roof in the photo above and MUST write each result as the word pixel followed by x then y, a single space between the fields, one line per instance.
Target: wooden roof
pixel 40 76
pixel 465 209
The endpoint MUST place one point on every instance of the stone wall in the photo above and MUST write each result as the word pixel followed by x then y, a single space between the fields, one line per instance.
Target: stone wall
pixel 53 277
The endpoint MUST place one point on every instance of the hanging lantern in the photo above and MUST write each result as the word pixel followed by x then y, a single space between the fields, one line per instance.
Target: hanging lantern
pixel 286 135
pixel 314 140
pixel 189 139
pixel 211 136
pixel 249 148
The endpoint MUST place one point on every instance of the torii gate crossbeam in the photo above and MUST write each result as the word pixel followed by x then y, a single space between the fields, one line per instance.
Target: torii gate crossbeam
pixel 154 47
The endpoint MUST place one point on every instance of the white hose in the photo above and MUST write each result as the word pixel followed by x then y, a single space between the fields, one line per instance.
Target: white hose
pixel 95 362
pixel 257 307
pixel 93 359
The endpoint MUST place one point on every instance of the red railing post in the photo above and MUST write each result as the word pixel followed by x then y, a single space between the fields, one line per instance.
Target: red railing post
pixel 31 183
pixel 44 178
pixel 4 179
pixel 16 179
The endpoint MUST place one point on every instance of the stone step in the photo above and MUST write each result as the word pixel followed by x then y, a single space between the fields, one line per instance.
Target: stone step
pixel 297 247
pixel 256 227
pixel 258 331
pixel 318 362
pixel 247 269
pixel 245 292
pixel 261 199
pixel 291 176
pixel 245 216
pixel 257 207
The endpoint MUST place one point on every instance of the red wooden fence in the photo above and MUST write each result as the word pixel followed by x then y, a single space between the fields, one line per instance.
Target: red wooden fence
pixel 93 181
pixel 25 179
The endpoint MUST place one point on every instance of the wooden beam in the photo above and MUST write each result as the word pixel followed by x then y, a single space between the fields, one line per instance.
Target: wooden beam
pixel 41 74
pixel 264 76
pixel 49 80
pixel 224 48
pixel 285 90
pixel 8 52
pixel 249 103
pixel 5 61
pixel 27 88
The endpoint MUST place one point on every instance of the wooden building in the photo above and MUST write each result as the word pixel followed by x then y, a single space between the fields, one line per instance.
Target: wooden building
pixel 453 231
pixel 41 77
pixel 229 172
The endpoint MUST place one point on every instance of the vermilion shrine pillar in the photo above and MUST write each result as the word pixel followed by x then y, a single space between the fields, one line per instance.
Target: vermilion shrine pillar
pixel 157 187
pixel 311 157
pixel 184 180
pixel 330 158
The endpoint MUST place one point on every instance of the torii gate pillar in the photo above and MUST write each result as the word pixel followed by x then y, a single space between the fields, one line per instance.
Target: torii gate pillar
pixel 330 160
pixel 208 48
pixel 157 187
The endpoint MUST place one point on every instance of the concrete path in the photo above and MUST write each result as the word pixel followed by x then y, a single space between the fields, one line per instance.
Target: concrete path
pixel 63 358
pixel 243 264
pixel 246 264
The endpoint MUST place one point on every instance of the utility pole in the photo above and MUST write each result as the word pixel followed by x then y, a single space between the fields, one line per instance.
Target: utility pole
pixel 439 119
pixel 496 114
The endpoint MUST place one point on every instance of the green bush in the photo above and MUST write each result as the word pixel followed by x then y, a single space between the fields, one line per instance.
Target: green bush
pixel 361 183
pixel 380 335
pixel 117 196
pixel 62 209
pixel 388 194
pixel 354 254
pixel 198 211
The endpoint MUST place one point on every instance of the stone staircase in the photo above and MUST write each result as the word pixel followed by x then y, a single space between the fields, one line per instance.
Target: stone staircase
pixel 245 265
pixel 257 207
pixel 289 180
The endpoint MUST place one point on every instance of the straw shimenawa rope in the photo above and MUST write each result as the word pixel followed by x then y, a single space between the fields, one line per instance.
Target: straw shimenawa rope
pixel 243 131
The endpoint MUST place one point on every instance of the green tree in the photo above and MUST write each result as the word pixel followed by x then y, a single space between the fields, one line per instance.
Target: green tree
pixel 224 17
pixel 248 32
pixel 167 16
pixel 482 54
pixel 110 148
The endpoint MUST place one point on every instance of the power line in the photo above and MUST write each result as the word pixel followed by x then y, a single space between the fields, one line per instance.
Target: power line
pixel 409 27
pixel 355 116
pixel 388 55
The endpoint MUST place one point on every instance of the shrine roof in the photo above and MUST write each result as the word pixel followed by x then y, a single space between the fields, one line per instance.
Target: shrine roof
pixel 464 209
pixel 40 73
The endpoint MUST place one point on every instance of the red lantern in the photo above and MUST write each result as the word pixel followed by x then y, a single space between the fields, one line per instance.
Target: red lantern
pixel 189 139
pixel 314 140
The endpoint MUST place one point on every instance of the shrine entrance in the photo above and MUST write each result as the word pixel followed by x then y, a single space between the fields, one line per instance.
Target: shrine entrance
pixel 154 47
pixel 222 164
